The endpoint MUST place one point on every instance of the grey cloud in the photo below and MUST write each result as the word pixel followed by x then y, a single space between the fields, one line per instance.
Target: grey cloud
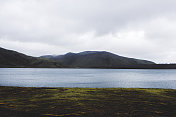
pixel 77 25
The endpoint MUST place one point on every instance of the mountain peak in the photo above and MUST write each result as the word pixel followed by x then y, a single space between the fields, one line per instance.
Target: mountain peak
pixel 97 59
pixel 91 52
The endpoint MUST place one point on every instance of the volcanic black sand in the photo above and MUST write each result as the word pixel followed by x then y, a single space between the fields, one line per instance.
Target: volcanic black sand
pixel 86 102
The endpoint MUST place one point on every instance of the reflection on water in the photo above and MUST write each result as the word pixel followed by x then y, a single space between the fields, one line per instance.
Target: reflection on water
pixel 95 78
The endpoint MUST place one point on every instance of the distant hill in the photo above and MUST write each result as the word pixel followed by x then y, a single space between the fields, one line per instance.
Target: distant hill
pixel 9 58
pixel 87 59
pixel 96 59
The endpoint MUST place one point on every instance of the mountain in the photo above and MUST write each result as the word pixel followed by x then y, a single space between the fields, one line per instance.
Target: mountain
pixel 9 58
pixel 96 59
pixel 87 59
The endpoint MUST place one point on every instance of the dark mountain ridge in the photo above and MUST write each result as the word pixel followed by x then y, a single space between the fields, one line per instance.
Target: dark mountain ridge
pixel 95 59
pixel 87 59
pixel 10 58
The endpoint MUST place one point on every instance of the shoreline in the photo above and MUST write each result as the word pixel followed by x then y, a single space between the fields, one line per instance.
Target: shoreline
pixel 87 87
pixel 142 68
pixel 86 102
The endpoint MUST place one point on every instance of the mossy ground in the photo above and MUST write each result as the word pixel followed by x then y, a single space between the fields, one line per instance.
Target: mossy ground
pixel 86 102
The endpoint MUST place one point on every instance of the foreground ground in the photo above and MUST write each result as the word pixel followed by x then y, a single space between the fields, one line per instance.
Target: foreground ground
pixel 86 102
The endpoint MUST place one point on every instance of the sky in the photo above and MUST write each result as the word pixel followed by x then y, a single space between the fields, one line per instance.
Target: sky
pixel 144 29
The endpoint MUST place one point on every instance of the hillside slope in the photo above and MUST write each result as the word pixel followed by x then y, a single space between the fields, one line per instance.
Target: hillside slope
pixel 9 58
pixel 96 59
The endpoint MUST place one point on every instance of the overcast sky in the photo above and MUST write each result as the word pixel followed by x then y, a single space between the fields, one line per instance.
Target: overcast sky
pixel 144 29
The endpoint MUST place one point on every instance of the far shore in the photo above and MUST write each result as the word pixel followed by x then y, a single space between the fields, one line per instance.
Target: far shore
pixel 139 66
pixel 86 102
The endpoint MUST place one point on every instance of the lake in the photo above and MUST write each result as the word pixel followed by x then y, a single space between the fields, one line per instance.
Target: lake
pixel 92 78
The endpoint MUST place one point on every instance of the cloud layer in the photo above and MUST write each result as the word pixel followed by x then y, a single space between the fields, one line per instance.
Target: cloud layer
pixel 136 28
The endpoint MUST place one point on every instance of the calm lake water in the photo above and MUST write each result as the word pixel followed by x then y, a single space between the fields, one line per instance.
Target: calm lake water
pixel 94 78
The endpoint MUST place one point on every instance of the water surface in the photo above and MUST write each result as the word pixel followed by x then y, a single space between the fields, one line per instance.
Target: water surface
pixel 93 78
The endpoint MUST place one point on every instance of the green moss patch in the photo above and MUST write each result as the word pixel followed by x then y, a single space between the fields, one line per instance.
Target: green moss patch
pixel 86 102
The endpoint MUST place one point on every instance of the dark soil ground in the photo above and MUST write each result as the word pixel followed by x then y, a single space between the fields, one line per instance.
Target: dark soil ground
pixel 86 102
